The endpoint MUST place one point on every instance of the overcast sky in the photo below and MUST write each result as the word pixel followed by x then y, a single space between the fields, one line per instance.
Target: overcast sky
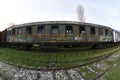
pixel 105 12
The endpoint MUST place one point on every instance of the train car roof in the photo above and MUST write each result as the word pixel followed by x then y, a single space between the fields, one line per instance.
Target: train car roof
pixel 57 23
pixel 116 30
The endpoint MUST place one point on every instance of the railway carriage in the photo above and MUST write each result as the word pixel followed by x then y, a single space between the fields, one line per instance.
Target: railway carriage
pixel 116 36
pixel 52 34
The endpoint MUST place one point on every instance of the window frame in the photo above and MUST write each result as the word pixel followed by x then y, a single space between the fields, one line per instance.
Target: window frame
pixel 92 31
pixel 13 31
pixel 69 29
pixel 41 29
pixel 19 31
pixel 81 29
pixel 54 29
pixel 28 30
pixel 106 32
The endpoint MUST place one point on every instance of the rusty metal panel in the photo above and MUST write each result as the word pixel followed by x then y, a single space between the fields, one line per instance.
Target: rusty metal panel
pixel 76 30
pixel 20 38
pixel 70 37
pixel 29 39
pixel 87 33
pixel 80 38
pixel 24 33
pixel 96 31
pixel 34 30
pixel 47 29
pixel 38 38
pixel 62 34
pixel 62 29
pixel 3 36
pixel 104 32
pixel 93 38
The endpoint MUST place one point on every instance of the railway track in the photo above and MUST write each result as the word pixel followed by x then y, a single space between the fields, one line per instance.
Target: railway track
pixel 3 76
pixel 80 63
pixel 88 72
pixel 94 69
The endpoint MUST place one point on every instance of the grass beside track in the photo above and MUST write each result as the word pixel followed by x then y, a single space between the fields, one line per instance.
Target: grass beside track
pixel 114 73
pixel 64 58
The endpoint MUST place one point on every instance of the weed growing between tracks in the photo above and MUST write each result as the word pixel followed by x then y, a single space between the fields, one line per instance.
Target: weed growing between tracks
pixel 60 59
pixel 114 74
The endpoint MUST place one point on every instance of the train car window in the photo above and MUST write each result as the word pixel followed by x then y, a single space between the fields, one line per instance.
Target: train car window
pixel 106 32
pixel 54 30
pixel 82 29
pixel 40 30
pixel 8 33
pixel 28 30
pixel 69 29
pixel 111 33
pixel 92 31
pixel 13 32
pixel 100 31
pixel 19 31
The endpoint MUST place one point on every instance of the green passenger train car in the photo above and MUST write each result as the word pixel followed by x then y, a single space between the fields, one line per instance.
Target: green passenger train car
pixel 58 33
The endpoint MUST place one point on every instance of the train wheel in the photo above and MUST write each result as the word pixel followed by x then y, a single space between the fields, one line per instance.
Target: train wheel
pixel 26 47
pixel 94 46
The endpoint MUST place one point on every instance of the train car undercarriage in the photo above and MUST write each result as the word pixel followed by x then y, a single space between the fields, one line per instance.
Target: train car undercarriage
pixel 55 45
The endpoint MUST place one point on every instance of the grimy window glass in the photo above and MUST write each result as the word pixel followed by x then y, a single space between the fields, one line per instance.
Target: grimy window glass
pixel 13 31
pixel 19 31
pixel 106 32
pixel 54 30
pixel 28 30
pixel 82 29
pixel 9 32
pixel 40 30
pixel 92 30
pixel 69 29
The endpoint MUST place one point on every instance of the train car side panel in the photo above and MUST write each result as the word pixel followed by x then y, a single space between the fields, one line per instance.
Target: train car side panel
pixel 3 36
pixel 116 36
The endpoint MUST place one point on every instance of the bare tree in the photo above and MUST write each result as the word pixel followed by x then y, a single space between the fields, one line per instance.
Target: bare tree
pixel 80 13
